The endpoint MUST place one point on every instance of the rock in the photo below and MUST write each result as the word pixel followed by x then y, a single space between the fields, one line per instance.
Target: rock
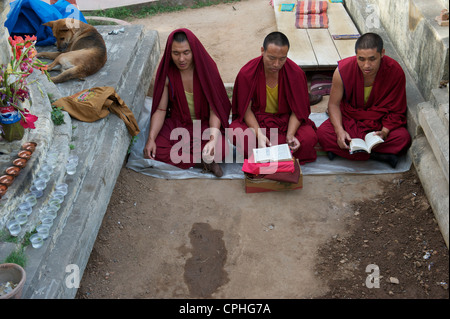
pixel 394 280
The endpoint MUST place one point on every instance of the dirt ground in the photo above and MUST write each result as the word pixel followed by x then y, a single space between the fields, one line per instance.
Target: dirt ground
pixel 208 239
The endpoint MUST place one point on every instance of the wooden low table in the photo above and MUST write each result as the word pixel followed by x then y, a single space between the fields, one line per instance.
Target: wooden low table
pixel 315 49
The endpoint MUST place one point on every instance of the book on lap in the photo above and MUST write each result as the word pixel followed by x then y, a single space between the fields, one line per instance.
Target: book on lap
pixel 366 144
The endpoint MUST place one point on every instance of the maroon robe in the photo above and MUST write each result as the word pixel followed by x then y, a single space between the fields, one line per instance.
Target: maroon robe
pixel 386 107
pixel 209 92
pixel 250 85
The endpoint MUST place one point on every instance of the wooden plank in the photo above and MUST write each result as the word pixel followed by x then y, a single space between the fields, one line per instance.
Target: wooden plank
pixel 314 49
pixel 301 51
pixel 324 48
pixel 341 23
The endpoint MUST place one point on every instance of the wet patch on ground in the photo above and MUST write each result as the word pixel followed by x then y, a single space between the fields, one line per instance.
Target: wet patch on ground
pixel 204 272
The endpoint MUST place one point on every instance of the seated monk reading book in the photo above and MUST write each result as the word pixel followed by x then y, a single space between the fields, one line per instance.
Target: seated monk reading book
pixel 368 94
pixel 271 103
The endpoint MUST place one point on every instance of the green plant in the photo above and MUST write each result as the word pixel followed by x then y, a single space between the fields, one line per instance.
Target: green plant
pixel 57 115
pixel 13 77
pixel 126 13
pixel 51 97
pixel 100 22
pixel 26 238
pixel 17 257
pixel 6 237
pixel 132 142
pixel 71 146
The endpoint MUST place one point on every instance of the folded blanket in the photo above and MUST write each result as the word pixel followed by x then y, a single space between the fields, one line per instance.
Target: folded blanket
pixel 311 21
pixel 311 7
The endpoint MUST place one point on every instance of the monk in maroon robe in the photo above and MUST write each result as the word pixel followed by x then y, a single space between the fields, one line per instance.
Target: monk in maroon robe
pixel 190 107
pixel 271 103
pixel 368 95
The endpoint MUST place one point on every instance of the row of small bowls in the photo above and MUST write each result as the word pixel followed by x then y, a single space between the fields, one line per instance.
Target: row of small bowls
pixel 13 171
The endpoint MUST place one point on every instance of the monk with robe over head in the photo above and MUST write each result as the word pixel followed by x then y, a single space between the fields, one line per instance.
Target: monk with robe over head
pixel 190 108
pixel 368 94
pixel 271 103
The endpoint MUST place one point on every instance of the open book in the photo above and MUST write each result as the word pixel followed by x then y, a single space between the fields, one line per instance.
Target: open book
pixel 276 153
pixel 366 144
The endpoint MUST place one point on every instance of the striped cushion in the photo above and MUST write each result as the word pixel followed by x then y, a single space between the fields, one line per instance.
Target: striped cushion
pixel 311 7
pixel 311 21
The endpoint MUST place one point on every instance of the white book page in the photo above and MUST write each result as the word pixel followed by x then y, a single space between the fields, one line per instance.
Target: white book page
pixel 357 144
pixel 372 139
pixel 272 154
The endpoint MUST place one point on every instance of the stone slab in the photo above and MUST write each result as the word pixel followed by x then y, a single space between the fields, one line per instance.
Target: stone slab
pixel 437 135
pixel 102 147
pixel 434 183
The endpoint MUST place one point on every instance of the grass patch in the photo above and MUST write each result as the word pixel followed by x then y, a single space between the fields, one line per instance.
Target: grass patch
pixel 6 237
pixel 99 22
pixel 17 257
pixel 145 11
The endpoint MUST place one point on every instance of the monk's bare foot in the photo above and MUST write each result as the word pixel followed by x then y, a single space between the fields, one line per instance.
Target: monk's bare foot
pixel 214 168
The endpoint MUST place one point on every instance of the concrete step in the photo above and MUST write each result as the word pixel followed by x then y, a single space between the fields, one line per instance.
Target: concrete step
pixel 439 99
pixel 102 147
pixel 433 182
pixel 436 134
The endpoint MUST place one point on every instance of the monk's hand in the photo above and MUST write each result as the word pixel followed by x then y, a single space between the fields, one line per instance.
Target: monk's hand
pixel 293 143
pixel 343 139
pixel 263 141
pixel 383 133
pixel 150 149
pixel 208 151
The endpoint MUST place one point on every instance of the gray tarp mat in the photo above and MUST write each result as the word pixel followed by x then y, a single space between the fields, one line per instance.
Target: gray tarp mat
pixel 322 166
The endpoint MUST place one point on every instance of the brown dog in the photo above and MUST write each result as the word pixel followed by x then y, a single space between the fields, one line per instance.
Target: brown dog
pixel 82 50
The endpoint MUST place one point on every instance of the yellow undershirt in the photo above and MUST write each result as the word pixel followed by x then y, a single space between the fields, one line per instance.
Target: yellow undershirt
pixel 272 99
pixel 190 102
pixel 367 90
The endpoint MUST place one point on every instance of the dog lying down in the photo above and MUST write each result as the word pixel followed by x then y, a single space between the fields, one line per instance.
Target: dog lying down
pixel 81 50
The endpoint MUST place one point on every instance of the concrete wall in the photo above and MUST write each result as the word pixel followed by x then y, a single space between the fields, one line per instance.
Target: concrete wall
pixel 5 51
pixel 421 43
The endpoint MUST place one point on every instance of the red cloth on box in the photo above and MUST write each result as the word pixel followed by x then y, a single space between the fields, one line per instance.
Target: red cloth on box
pixel 286 177
pixel 251 167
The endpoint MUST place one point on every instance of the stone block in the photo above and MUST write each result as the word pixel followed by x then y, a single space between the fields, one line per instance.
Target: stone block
pixel 436 135
pixel 435 185
pixel 101 147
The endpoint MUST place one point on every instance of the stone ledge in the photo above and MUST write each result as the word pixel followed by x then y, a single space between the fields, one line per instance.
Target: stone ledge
pixel 101 147
pixel 434 183
pixel 45 135
pixel 436 135
pixel 439 99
